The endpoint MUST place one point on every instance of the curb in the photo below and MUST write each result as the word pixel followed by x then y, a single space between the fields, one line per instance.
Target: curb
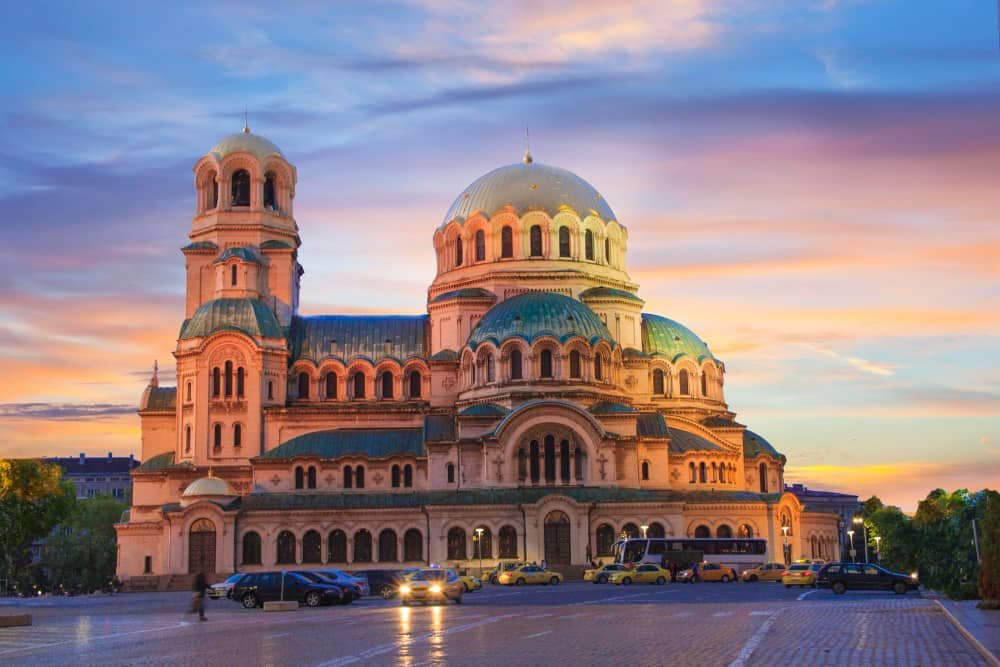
pixel 986 653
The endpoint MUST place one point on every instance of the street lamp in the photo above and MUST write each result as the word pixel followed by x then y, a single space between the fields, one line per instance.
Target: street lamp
pixel 644 528
pixel 878 548
pixel 479 548
pixel 850 534
pixel 858 521
pixel 784 530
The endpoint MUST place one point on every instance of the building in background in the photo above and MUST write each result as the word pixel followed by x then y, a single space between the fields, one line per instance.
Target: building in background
pixel 92 475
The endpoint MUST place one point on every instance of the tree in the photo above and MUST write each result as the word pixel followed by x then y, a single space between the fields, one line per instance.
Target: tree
pixel 989 548
pixel 81 553
pixel 33 499
pixel 872 505
pixel 898 548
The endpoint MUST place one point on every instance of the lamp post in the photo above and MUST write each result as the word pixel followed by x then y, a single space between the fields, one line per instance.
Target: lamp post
pixel 878 549
pixel 644 528
pixel 479 548
pixel 858 521
pixel 784 530
pixel 850 534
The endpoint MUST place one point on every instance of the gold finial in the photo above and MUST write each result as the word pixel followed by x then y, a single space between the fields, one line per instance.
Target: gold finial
pixel 527 147
pixel 155 380
pixel 246 123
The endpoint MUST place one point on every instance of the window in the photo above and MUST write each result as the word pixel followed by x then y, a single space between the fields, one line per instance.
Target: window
pixel 658 382
pixel 535 234
pixel 564 241
pixel 458 251
pixel 387 546
pixel 298 477
pixel 240 382
pixel 232 274
pixel 241 188
pixel 702 472
pixel 715 472
pixel 507 542
pixel 286 547
pixel 515 364
pixel 187 392
pixel 311 547
pixel 702 531
pixel 270 390
pixel 413 545
pixel 682 378
pixel 336 547
pixel 490 369
pixel 550 459
pixel 599 367
pixel 607 251
pixel 237 435
pixel 745 531
pixel 451 473
pixel 535 469
pixel 480 246
pixel 704 384
pixel 229 379
pixel 415 381
pixel 216 382
pixel 394 476
pixel 331 385
pixel 358 380
pixel 655 530
pixel 148 565
pixel 645 470
pixel 574 364
pixel 311 477
pixel 359 477
pixel 187 438
pixel 303 385
pixel 456 544
pixel 762 472
pixel 269 200
pixel 578 462
pixel 386 380
pixel 724 532
pixel 605 539
pixel 408 476
pixel 588 245
pixel 564 461
pixel 348 477
pixel 362 546
pixel 546 364
pixel 506 242
pixel 213 191
pixel 482 543
pixel 217 436
pixel 631 530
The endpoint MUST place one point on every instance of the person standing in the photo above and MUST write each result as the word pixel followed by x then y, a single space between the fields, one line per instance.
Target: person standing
pixel 544 565
pixel 198 598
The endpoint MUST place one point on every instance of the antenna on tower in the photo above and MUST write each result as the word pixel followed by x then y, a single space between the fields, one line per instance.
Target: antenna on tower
pixel 155 380
pixel 527 147
pixel 246 123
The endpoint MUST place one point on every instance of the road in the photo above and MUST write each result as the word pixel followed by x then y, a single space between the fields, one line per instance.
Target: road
pixel 577 623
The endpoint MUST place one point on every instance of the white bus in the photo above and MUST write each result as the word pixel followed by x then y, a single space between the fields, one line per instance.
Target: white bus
pixel 738 552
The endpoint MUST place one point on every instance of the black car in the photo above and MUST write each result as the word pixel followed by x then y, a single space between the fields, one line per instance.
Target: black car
pixel 384 583
pixel 256 588
pixel 842 577
pixel 347 591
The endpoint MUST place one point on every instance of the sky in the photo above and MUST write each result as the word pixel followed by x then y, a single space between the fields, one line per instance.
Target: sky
pixel 810 185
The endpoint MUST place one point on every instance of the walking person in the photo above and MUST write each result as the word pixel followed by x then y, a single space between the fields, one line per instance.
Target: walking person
pixel 544 565
pixel 198 596
pixel 694 573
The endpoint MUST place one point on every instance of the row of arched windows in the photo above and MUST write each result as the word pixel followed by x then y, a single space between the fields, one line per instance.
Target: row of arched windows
pixel 305 478
pixel 483 368
pixel 723 531
pixel 482 543
pixel 240 184
pixel 703 473
pixel 550 462
pixel 823 546
pixel 227 382
pixel 402 476
pixel 661 382
pixel 536 246
pixel 287 547
pixel 357 385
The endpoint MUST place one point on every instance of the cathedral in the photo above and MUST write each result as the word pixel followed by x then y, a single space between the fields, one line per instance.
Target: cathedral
pixel 534 411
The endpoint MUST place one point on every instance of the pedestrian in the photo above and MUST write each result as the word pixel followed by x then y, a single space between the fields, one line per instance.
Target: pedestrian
pixel 672 566
pixel 544 564
pixel 694 572
pixel 198 596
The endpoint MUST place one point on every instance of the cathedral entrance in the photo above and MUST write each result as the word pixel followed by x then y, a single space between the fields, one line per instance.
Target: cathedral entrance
pixel 201 547
pixel 557 538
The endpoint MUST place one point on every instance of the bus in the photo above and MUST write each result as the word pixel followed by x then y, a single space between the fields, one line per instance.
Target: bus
pixel 737 552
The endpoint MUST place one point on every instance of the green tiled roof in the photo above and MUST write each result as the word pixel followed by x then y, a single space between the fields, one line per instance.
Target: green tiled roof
pixel 161 462
pixel 200 245
pixel 511 497
pixel 372 442
pixel 465 293
pixel 632 353
pixel 372 337
pixel 666 338
pixel 609 293
pixel 242 252
pixel 535 314
pixel 682 442
pixel 484 410
pixel 754 445
pixel 162 398
pixel 438 428
pixel 275 245
pixel 652 425
pixel 607 408
pixel 445 355
pixel 250 316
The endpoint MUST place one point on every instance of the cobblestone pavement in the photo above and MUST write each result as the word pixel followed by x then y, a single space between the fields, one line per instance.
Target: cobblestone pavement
pixel 582 624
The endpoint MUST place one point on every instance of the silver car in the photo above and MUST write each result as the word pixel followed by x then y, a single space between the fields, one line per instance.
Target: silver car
pixel 223 589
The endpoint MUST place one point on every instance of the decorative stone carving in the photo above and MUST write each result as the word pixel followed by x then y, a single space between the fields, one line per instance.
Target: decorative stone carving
pixel 448 383
pixel 276 480
pixel 630 381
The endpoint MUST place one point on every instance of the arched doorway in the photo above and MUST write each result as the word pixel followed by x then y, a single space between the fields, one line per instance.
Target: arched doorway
pixel 201 547
pixel 557 538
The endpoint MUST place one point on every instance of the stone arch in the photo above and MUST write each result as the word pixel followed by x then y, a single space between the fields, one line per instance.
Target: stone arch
pixel 535 419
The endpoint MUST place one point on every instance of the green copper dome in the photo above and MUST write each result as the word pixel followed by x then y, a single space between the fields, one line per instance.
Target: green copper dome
pixel 666 338
pixel 250 316
pixel 536 314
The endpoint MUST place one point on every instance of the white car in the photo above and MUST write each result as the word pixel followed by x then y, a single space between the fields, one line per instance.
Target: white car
pixel 224 588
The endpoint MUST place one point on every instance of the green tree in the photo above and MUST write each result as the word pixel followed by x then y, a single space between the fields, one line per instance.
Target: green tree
pixel 872 505
pixel 945 553
pixel 81 552
pixel 33 499
pixel 989 548
pixel 898 550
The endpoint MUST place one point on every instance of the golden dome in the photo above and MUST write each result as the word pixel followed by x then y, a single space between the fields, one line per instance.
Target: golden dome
pixel 209 486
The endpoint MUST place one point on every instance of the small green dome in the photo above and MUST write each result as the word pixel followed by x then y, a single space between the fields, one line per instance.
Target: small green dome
pixel 250 316
pixel 666 338
pixel 536 314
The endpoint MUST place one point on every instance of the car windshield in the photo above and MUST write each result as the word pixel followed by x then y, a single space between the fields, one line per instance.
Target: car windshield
pixel 298 577
pixel 429 575
pixel 232 579
pixel 799 567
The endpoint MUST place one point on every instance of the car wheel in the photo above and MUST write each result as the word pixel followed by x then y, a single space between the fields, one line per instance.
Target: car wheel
pixel 603 579
pixel 660 581
pixel 725 578
pixel 554 581
pixel 313 599
pixel 346 599
pixel 519 582
pixel 788 585
pixel 386 592
pixel 626 580
pixel 899 588
pixel 465 586
pixel 753 578
pixel 249 601
pixel 458 600
pixel 839 587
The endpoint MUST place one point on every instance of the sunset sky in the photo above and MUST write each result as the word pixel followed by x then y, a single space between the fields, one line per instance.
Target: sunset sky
pixel 810 185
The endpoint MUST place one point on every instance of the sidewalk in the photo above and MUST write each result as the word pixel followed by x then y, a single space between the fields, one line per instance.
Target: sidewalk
pixel 981 624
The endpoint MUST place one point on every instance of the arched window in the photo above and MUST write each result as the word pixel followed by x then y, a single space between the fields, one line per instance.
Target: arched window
pixel 216 382
pixel 814 545
pixel 607 251
pixel 232 275
pixel 415 381
pixel 762 472
pixel 724 531
pixel 704 384
pixel 490 369
pixel 458 251
pixel 298 477
pixel 240 382
pixel 229 379
pixel 237 435
pixel 472 371
pixel 480 246
pixel 506 242
pixel 745 531
pixel 658 382
pixel 336 547
pixel 359 477
pixel 550 459
pixel 579 460
pixel 702 531
pixel 331 385
pixel 482 543
pixel 217 436
pixel 286 548
pixel 535 237
pixel 395 477
pixel 358 380
pixel 241 188
pixel 451 473
pixel 507 542
pixel 348 477
pixel 522 465
pixel 564 461
pixel 598 367
pixel 386 380
pixel 574 364
pixel 212 191
pixel 645 470
pixel 251 548
pixel 546 364
pixel 456 544
pixel 407 476
pixel 187 392
pixel 564 241
pixel 702 472
pixel 269 200
pixel 362 546
pixel 270 390
pixel 535 468
pixel 388 548
pixel 786 520
pixel 656 530
pixel 630 530
pixel 682 378
pixel 715 472
pixel 694 474
pixel 588 245
pixel 311 477
pixel 515 364
pixel 187 438
pixel 413 545
pixel 722 473
pixel 303 385
pixel 605 539
pixel 311 547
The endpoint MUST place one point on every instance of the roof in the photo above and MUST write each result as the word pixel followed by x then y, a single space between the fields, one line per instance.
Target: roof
pixel 247 142
pixel 242 252
pixel 250 316
pixel 161 462
pixel 754 445
pixel 465 293
pixel 609 293
pixel 607 408
pixel 162 398
pixel 682 442
pixel 275 245
pixel 715 421
pixel 484 410
pixel 529 187
pixel 652 425
pixel 334 443
pixel 535 314
pixel 445 355
pixel 209 486
pixel 497 496
pixel 664 337
pixel 373 337
pixel 439 428
pixel 94 465
pixel 200 245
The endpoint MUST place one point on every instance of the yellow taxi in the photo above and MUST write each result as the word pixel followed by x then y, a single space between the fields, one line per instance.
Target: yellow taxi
pixel 708 572
pixel 529 574
pixel 503 565
pixel 644 574
pixel 470 582
pixel 600 575
pixel 765 572
pixel 431 584
pixel 800 574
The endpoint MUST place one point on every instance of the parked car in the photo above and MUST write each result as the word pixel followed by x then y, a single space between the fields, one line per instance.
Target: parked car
pixel 431 585
pixel 348 590
pixel 254 589
pixel 601 574
pixel 708 572
pixel 800 574
pixel 503 565
pixel 361 588
pixel 384 583
pixel 841 577
pixel 765 572
pixel 470 582
pixel 529 574
pixel 646 573
pixel 224 588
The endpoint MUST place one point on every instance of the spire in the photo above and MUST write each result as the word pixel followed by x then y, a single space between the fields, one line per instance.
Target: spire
pixel 527 147
pixel 246 123
pixel 155 380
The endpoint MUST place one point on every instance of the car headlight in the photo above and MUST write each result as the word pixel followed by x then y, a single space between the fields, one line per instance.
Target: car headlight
pixel 913 575
pixel 404 590
pixel 435 589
